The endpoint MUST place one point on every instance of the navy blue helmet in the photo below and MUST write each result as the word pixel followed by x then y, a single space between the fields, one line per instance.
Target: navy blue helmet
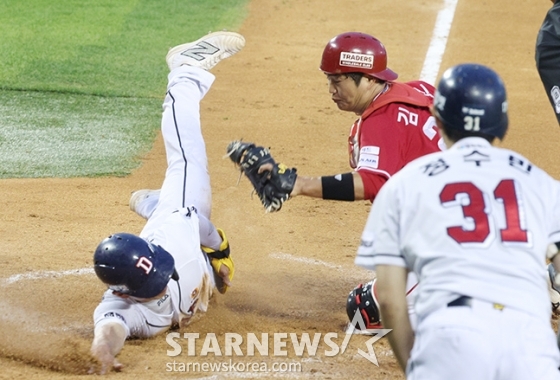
pixel 472 98
pixel 130 265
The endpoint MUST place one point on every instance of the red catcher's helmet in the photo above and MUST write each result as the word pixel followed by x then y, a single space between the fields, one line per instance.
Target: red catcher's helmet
pixel 355 52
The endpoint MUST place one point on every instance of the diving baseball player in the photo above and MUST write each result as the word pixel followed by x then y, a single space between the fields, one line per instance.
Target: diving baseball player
pixel 474 223
pixel 164 276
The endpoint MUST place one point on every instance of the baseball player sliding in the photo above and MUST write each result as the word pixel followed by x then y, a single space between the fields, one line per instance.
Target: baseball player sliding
pixel 164 276
pixel 473 222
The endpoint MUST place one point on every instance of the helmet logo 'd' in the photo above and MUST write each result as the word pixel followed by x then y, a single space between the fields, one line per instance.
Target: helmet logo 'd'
pixel 356 60
pixel 145 263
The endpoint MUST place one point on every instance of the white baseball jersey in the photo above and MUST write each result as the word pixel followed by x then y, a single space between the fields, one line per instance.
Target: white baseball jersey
pixel 473 223
pixel 474 220
pixel 174 224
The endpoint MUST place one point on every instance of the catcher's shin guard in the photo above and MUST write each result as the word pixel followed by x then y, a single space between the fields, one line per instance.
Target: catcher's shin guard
pixel 218 258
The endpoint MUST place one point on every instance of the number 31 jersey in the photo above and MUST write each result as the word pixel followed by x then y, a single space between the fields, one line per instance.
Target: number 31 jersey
pixel 474 220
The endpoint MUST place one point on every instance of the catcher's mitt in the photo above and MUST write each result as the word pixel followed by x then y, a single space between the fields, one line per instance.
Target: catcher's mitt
pixel 274 184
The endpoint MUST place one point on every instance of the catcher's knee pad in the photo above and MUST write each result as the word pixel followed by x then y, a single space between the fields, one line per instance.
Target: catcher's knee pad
pixel 362 301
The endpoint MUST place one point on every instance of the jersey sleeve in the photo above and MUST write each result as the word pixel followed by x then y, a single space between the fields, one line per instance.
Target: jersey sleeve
pixel 379 244
pixel 126 312
pixel 372 183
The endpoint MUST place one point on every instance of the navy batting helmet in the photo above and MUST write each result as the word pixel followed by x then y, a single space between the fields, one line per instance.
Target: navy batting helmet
pixel 131 265
pixel 355 52
pixel 472 98
pixel 362 299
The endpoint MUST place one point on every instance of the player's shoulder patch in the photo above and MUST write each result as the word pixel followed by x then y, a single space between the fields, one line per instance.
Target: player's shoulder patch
pixel 369 157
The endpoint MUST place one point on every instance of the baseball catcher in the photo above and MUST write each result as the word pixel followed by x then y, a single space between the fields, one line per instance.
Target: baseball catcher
pixel 271 181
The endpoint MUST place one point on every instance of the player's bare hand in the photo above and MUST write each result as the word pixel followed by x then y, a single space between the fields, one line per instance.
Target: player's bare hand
pixel 265 168
pixel 106 361
pixel 108 341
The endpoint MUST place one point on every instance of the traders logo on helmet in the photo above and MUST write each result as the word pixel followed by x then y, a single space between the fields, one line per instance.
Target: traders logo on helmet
pixel 356 60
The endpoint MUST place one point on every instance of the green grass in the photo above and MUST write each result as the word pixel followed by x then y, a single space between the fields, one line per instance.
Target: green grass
pixel 81 82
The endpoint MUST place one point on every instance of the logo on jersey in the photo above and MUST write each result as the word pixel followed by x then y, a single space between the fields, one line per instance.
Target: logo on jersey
pixel 366 243
pixel 145 264
pixel 435 167
pixel 520 164
pixel 112 314
pixel 356 60
pixel 407 117
pixel 162 299
pixel 476 157
pixel 369 157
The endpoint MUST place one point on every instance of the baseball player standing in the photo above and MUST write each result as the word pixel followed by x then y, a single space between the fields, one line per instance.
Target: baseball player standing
pixel 547 56
pixel 473 222
pixel 164 276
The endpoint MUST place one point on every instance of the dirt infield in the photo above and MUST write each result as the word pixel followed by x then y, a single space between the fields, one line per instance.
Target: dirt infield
pixel 294 268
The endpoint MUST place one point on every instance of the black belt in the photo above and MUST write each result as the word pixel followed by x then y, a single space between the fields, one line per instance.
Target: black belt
pixel 467 301
pixel 461 301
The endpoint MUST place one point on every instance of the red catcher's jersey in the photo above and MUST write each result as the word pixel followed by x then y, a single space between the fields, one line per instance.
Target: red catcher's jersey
pixel 395 129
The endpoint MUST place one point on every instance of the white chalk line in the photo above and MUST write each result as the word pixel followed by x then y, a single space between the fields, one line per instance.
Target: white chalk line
pixel 346 271
pixel 304 260
pixel 14 315
pixel 434 56
pixel 47 274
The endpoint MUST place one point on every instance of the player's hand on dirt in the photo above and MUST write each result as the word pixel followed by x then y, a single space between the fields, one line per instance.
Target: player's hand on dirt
pixel 108 341
pixel 106 361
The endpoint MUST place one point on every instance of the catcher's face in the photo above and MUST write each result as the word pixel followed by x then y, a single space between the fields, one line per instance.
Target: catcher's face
pixel 351 97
